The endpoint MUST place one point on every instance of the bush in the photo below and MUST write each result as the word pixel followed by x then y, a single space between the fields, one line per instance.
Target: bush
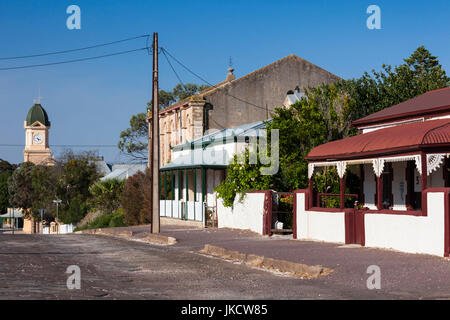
pixel 109 220
pixel 117 219
pixel 135 199
pixel 101 222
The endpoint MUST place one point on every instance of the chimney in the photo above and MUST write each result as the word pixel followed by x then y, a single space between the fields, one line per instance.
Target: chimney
pixel 230 75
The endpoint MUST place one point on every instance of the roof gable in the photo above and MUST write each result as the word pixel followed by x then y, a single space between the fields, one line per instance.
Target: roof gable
pixel 208 91
pixel 435 101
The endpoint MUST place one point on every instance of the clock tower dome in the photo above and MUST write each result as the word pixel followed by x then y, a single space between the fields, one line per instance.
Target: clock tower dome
pixel 36 126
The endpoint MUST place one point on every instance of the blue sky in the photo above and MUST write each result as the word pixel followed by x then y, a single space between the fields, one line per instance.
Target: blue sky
pixel 91 102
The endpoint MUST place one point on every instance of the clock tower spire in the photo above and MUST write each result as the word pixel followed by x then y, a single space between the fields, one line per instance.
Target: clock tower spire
pixel 37 127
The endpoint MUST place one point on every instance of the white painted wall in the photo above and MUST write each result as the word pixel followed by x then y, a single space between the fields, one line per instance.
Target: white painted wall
pixel 399 187
pixel 370 187
pixel 317 225
pixel 409 233
pixel 247 215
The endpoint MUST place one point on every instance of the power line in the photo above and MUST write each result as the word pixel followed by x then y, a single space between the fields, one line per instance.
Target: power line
pixel 67 145
pixel 207 82
pixel 73 50
pixel 74 60
pixel 173 69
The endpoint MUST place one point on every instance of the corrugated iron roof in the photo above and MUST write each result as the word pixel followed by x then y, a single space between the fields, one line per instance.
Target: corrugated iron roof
pixel 403 138
pixel 429 102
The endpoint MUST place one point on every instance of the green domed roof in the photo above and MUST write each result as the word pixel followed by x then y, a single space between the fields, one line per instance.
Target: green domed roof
pixel 37 113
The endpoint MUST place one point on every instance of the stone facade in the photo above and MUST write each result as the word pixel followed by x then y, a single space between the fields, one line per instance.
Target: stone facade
pixel 235 102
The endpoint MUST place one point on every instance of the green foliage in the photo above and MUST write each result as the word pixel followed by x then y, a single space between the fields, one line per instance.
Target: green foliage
pixel 134 140
pixel 117 219
pixel 34 187
pixel 106 195
pixel 242 177
pixel 20 187
pixel 6 170
pixel 107 220
pixel 135 199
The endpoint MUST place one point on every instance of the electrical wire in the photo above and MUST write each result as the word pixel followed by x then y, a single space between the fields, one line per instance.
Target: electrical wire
pixel 207 82
pixel 68 145
pixel 73 50
pixel 74 60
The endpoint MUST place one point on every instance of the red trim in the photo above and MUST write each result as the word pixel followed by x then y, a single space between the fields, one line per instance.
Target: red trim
pixel 337 210
pixel 354 227
pixel 311 192
pixel 267 216
pixel 403 116
pixel 394 152
pixel 341 193
pixel 423 182
pixel 361 184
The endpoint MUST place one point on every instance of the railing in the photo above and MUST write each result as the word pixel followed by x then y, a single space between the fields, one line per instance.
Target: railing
pixel 321 202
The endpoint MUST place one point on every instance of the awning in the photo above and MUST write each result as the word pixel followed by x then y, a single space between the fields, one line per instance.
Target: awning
pixel 405 138
pixel 200 158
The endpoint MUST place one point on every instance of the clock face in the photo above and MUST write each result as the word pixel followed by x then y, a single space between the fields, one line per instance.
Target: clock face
pixel 37 138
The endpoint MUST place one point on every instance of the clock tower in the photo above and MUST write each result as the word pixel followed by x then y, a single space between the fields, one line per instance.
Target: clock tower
pixel 36 126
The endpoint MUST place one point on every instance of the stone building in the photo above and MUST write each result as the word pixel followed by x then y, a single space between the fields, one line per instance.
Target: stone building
pixel 235 102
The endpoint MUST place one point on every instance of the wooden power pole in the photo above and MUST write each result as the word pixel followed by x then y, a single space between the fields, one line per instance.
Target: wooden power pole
pixel 154 148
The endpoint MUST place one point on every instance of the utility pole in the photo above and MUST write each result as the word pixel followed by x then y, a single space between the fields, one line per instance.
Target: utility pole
pixel 155 140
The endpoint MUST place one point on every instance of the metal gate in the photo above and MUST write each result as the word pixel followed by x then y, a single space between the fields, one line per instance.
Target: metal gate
pixel 282 212
pixel 210 217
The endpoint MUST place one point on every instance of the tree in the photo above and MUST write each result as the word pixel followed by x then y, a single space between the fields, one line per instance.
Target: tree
pixel 6 170
pixel 106 195
pixel 135 199
pixel 134 140
pixel 76 173
pixel 20 188
pixel 419 73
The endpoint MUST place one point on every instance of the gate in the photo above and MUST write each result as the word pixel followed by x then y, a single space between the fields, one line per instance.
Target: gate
pixel 210 217
pixel 354 227
pixel 282 213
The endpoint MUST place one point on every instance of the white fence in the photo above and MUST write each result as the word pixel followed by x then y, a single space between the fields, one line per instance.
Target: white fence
pixel 190 210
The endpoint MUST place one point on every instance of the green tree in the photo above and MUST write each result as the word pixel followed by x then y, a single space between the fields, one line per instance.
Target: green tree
pixel 134 140
pixel 20 188
pixel 6 170
pixel 106 195
pixel 76 173
pixel 419 73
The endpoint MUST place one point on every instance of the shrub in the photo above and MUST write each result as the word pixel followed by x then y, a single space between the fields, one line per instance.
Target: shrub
pixel 117 219
pixel 106 195
pixel 135 199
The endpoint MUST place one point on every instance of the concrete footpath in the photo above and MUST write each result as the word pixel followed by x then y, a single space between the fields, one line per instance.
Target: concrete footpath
pixel 403 275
